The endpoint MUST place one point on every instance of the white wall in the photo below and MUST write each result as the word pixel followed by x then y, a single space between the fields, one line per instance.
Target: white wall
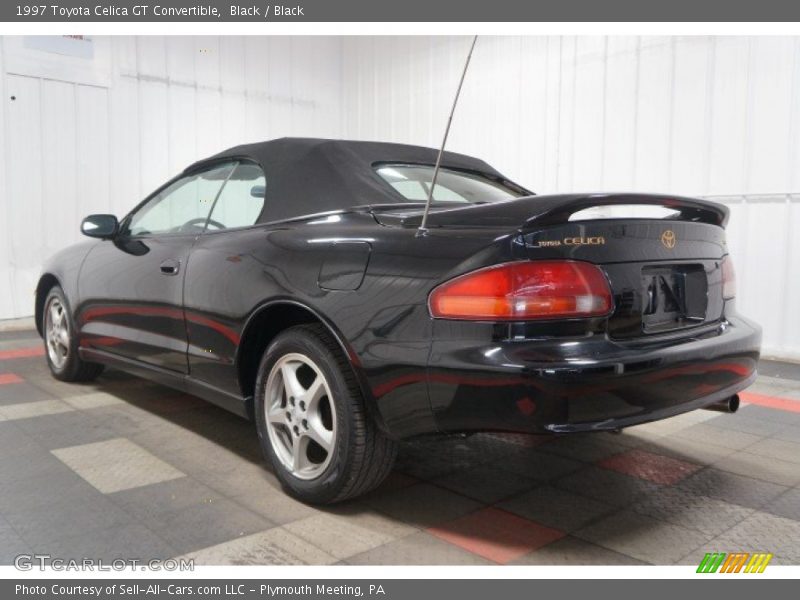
pixel 687 115
pixel 97 134
pixel 693 115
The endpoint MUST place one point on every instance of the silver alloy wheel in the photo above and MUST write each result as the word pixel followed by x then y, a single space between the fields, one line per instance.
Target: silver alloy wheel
pixel 300 416
pixel 57 333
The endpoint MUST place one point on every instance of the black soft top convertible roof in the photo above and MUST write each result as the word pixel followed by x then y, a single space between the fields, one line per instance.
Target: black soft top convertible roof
pixel 310 175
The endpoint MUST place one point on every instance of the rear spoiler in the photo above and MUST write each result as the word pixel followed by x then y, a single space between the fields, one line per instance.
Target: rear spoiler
pixel 535 211
pixel 688 209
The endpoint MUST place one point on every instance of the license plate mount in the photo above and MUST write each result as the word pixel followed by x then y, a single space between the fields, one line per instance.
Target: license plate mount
pixel 674 297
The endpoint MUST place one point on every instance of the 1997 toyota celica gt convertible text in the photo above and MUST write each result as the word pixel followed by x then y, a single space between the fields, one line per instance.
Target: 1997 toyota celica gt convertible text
pixel 287 281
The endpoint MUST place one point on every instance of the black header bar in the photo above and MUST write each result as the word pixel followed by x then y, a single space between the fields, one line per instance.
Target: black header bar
pixel 419 11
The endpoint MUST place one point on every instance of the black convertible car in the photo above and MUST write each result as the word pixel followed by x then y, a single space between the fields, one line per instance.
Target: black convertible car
pixel 287 281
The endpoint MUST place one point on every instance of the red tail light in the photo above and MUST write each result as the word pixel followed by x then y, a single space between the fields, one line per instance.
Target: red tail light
pixel 524 290
pixel 728 279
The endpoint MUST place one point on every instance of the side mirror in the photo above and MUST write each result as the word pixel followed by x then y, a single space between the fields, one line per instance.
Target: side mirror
pixel 100 226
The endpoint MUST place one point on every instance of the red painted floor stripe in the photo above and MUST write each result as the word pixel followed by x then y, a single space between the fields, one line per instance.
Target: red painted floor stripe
pixel 771 401
pixel 9 378
pixel 496 534
pixel 650 466
pixel 22 352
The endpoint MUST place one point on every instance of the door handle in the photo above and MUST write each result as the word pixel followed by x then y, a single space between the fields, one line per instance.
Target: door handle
pixel 170 266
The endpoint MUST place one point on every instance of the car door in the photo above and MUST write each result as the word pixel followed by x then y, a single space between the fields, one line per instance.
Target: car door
pixel 131 287
pixel 225 267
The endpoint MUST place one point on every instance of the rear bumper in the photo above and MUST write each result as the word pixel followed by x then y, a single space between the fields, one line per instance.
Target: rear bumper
pixel 589 384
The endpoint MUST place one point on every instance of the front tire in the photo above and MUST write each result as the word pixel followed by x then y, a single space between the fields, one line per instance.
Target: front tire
pixel 312 421
pixel 61 341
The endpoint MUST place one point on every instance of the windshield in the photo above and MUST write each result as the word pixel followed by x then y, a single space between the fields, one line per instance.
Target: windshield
pixel 413 183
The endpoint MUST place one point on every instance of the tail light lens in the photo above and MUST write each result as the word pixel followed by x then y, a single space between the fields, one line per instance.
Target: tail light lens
pixel 524 290
pixel 728 279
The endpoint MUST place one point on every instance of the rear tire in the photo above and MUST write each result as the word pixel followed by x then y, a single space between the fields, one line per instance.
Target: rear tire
pixel 312 421
pixel 61 341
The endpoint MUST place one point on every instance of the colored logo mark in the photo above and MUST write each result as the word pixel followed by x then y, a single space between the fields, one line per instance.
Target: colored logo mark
pixel 737 562
pixel 668 238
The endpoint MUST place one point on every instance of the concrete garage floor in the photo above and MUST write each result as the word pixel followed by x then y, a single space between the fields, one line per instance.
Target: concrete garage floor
pixel 125 468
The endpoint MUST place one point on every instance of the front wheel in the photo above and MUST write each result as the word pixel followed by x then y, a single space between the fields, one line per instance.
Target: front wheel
pixel 61 341
pixel 312 422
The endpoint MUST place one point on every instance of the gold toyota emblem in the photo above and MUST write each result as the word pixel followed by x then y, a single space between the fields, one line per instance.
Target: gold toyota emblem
pixel 668 238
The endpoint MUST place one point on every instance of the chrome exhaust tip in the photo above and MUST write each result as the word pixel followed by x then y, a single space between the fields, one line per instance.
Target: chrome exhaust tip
pixel 729 405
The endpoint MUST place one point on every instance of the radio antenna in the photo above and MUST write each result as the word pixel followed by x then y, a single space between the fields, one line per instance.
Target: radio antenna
pixel 423 225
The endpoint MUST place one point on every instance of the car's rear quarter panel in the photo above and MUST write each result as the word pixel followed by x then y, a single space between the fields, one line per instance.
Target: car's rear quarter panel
pixel 384 324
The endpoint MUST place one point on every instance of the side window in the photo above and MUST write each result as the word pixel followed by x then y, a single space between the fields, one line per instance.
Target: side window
pixel 183 206
pixel 241 200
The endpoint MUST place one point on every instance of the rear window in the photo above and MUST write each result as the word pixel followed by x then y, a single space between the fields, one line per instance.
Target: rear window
pixel 413 183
